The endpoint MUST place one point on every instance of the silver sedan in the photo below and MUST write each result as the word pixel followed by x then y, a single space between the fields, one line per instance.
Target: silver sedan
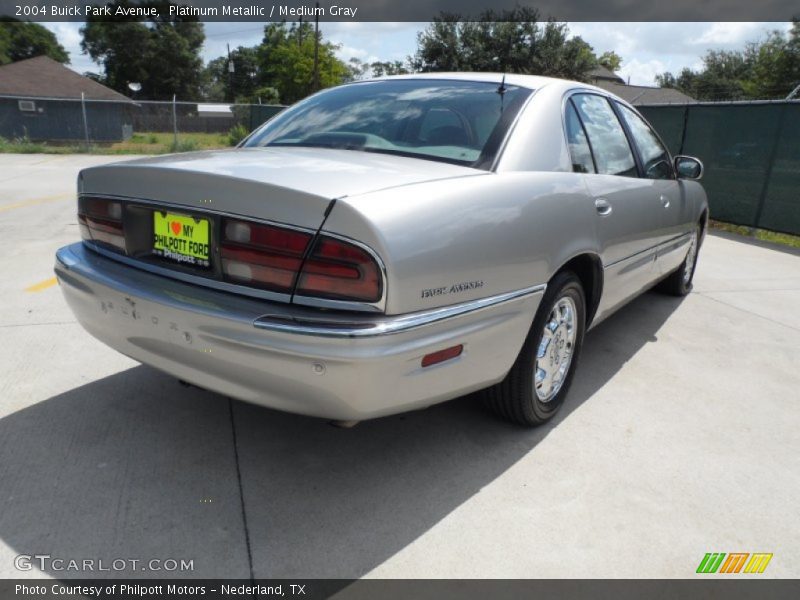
pixel 386 245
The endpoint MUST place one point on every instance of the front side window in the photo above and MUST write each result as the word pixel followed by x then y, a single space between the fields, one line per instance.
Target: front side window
pixel 612 153
pixel 654 156
pixel 444 120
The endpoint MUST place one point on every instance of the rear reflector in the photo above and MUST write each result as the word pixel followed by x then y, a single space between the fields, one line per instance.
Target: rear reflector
pixel 442 355
pixel 101 221
pixel 261 255
pixel 339 270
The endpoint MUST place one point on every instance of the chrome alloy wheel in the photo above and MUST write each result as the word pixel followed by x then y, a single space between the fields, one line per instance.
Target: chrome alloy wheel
pixel 556 348
pixel 691 256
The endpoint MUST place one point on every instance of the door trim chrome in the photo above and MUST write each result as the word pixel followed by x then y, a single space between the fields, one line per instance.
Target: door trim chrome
pixel 338 328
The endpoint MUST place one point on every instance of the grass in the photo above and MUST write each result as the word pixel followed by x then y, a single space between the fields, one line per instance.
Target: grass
pixel 140 143
pixel 766 235
pixel 162 143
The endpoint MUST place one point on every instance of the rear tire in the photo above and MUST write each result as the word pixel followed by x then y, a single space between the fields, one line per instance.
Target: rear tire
pixel 679 283
pixel 537 384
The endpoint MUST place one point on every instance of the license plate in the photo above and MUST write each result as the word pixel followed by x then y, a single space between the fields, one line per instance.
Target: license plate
pixel 181 238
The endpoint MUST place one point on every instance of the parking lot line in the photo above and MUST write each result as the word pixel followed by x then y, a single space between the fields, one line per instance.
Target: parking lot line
pixel 42 285
pixel 34 201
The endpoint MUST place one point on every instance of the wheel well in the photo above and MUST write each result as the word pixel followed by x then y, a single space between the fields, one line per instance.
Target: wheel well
pixel 589 269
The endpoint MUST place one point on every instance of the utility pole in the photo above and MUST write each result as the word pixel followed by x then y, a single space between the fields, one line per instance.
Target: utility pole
pixel 229 95
pixel 315 80
pixel 300 32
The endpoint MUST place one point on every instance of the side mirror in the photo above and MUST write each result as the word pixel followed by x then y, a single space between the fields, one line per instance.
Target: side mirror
pixel 688 167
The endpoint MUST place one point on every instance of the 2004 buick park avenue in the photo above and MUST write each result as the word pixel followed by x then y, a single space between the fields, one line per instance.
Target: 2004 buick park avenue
pixel 389 244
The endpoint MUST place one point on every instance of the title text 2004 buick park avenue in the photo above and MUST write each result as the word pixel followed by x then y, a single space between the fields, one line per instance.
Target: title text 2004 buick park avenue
pixel 390 244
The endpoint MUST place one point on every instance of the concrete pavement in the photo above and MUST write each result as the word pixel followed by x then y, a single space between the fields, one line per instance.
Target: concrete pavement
pixel 679 438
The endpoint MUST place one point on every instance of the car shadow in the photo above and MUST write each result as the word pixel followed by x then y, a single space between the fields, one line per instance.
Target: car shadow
pixel 136 466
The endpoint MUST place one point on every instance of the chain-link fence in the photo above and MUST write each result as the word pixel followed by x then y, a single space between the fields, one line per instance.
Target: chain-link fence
pixel 183 125
pixel 751 153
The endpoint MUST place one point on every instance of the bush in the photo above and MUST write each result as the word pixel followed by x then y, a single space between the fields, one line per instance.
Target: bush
pixel 237 133
pixel 185 145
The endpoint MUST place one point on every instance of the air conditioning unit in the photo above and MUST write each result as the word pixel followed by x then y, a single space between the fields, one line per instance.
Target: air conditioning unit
pixel 27 105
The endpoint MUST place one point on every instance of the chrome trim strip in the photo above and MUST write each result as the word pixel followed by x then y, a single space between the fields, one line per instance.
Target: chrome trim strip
pixel 388 325
pixel 655 249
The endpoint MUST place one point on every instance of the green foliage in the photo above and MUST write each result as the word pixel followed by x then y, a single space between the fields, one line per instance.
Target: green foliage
pixel 610 60
pixel 512 41
pixel 280 69
pixel 237 133
pixel 265 95
pixel 184 145
pixel 162 55
pixel 395 67
pixel 769 69
pixel 220 85
pixel 20 40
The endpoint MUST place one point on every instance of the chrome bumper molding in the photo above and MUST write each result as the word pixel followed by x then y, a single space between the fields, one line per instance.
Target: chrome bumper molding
pixel 387 325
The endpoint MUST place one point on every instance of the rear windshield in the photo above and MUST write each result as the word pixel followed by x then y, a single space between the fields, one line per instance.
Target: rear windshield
pixel 462 122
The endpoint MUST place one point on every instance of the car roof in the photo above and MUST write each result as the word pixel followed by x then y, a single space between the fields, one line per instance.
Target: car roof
pixel 532 82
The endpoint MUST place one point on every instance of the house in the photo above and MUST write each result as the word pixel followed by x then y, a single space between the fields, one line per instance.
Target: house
pixel 41 99
pixel 635 94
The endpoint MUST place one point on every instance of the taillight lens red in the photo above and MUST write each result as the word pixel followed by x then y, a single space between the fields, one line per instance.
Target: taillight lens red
pixel 261 255
pixel 101 221
pixel 271 258
pixel 339 270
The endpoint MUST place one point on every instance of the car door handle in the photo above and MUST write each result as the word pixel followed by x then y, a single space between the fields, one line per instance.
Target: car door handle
pixel 664 201
pixel 603 207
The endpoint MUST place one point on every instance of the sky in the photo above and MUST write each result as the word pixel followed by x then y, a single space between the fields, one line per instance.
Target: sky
pixel 646 48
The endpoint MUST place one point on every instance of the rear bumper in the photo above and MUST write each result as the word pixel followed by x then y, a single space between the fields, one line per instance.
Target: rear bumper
pixel 285 357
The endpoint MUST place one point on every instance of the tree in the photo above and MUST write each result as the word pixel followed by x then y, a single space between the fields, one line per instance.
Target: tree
pixel 219 84
pixel 610 60
pixel 162 54
pixel 384 68
pixel 286 61
pixel 20 40
pixel 513 41
pixel 769 69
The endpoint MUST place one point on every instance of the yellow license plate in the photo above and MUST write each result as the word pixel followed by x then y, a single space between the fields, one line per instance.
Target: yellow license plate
pixel 181 238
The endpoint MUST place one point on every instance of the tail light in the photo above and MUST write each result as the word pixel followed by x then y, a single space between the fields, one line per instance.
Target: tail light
pixel 339 270
pixel 262 256
pixel 277 259
pixel 101 221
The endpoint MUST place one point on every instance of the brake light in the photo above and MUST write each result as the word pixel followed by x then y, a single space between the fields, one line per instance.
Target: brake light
pixel 101 221
pixel 339 270
pixel 261 255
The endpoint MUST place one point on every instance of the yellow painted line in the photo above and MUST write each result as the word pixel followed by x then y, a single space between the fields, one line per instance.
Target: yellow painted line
pixel 42 285
pixel 35 201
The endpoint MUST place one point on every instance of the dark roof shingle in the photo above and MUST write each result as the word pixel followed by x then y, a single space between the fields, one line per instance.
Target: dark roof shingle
pixel 44 77
pixel 642 94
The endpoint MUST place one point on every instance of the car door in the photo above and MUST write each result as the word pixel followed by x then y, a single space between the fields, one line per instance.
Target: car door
pixel 628 221
pixel 667 191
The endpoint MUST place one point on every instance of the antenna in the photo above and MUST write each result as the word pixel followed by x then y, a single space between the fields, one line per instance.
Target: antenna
pixel 502 88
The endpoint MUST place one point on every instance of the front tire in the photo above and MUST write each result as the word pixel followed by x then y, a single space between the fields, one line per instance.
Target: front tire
pixel 537 384
pixel 679 283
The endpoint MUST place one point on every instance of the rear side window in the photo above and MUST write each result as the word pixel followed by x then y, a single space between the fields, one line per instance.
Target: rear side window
pixel 579 148
pixel 654 156
pixel 612 153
